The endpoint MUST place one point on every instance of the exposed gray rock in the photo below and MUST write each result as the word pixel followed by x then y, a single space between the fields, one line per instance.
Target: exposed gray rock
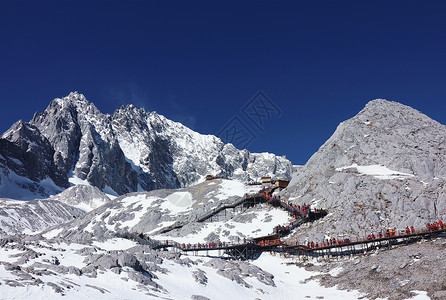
pixel 379 275
pixel 25 152
pixel 438 295
pixel 200 276
pixel 34 215
pixel 11 267
pixel 89 271
pixel 56 288
pixel 125 152
pixel 74 270
pixel 106 261
pixel 129 260
pixel 199 297
pixel 85 197
pixel 141 278
pixel 387 134
pixel 237 271
pixel 102 290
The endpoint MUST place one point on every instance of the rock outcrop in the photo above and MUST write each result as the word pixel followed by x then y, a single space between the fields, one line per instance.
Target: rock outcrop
pixel 385 167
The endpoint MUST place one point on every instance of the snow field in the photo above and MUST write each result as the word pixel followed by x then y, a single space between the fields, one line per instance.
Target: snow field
pixel 115 244
pixel 13 186
pixel 180 284
pixel 230 188
pixel 52 233
pixel 262 224
pixel 106 286
pixel 380 172
pixel 290 281
pixel 178 202
pixel 65 254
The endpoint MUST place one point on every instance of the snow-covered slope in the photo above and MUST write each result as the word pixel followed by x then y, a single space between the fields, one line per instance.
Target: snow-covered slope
pixel 131 150
pixel 385 167
pixel 150 212
pixel 121 269
pixel 83 258
pixel 82 196
pixel 17 217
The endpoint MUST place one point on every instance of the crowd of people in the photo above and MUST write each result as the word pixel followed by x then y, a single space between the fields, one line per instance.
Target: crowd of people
pixel 281 230
pixel 275 200
pixel 264 243
pixel 436 226
pixel 388 233
pixel 211 245
pixel 296 211
pixel 328 242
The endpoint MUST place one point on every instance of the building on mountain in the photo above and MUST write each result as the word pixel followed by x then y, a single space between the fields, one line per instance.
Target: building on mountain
pixel 211 177
pixel 281 183
pixel 266 179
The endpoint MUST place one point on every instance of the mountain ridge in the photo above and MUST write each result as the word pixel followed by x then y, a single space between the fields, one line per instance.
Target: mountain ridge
pixel 127 151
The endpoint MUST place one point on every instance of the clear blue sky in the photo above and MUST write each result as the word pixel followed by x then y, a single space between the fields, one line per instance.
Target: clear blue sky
pixel 200 62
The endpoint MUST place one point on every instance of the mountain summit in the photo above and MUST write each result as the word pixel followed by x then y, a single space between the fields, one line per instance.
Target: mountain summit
pixel 72 142
pixel 385 167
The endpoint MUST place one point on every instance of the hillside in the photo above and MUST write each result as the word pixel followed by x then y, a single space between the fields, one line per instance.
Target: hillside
pixel 383 168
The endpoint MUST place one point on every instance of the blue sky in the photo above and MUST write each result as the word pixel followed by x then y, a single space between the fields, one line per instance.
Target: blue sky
pixel 202 62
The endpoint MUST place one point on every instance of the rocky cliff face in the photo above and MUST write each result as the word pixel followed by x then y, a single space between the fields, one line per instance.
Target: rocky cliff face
pixel 385 167
pixel 131 150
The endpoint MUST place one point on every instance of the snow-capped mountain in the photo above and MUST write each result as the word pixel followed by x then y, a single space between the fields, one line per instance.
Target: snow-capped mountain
pixel 382 168
pixel 132 150
pixel 385 167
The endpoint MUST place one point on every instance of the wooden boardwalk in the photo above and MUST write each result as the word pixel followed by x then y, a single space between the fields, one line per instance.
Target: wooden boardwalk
pixel 263 196
pixel 252 248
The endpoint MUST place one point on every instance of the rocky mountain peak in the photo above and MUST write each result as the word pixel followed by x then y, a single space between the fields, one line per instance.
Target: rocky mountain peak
pixel 18 130
pixel 386 166
pixel 130 116
pixel 381 111
pixel 76 99
pixel 130 109
pixel 380 134
pixel 131 150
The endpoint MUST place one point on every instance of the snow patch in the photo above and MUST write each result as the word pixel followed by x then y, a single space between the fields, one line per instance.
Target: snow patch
pixel 377 171
pixel 115 244
pixel 178 202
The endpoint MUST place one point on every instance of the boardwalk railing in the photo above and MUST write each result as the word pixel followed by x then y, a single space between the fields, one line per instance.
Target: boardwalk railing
pixel 264 196
pixel 253 248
